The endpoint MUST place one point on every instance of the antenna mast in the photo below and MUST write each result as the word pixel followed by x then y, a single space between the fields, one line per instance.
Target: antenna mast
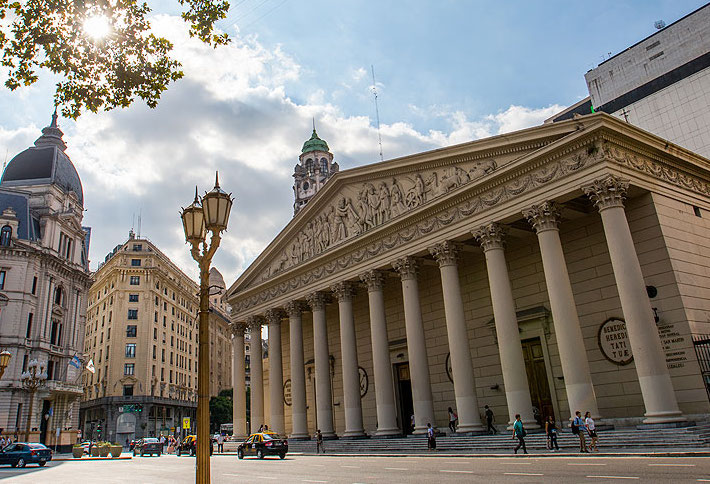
pixel 377 111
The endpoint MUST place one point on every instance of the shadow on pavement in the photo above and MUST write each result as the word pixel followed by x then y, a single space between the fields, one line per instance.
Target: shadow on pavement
pixel 6 471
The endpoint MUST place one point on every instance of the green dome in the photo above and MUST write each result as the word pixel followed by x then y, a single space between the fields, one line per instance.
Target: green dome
pixel 315 144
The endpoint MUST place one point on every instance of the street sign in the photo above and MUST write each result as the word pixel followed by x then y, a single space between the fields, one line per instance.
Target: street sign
pixel 186 423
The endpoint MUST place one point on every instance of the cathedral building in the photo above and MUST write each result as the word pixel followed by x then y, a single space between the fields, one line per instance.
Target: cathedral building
pixel 541 272
pixel 44 283
pixel 315 167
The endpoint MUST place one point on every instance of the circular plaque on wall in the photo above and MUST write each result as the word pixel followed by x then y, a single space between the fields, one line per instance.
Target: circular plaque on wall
pixel 449 370
pixel 364 381
pixel 287 392
pixel 614 341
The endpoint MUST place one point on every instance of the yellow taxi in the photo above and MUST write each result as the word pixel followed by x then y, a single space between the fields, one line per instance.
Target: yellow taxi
pixel 262 444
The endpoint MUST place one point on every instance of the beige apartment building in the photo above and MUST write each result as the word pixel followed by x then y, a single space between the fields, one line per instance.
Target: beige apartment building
pixel 141 335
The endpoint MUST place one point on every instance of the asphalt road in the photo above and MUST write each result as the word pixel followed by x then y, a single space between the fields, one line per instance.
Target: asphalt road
pixel 351 470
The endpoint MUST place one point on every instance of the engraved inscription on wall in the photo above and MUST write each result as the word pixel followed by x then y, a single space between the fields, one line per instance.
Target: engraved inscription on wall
pixel 614 341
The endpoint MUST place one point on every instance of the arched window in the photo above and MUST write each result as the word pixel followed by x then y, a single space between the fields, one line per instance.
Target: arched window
pixel 6 236
pixel 58 296
pixel 309 165
pixel 323 165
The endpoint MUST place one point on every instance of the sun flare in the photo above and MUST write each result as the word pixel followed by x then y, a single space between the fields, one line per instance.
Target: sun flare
pixel 97 27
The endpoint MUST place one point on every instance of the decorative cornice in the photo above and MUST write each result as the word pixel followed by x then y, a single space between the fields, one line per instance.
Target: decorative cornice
pixel 406 267
pixel 607 192
pixel 445 253
pixel 344 291
pixel 490 236
pixel 374 279
pixel 316 300
pixel 273 316
pixel 544 216
pixel 294 308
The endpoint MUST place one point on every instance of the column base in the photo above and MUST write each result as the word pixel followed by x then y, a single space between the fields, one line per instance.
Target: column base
pixel 468 428
pixel 354 436
pixel 664 417
pixel 527 425
pixel 392 433
pixel 471 433
pixel 329 436
pixel 299 437
pixel 665 425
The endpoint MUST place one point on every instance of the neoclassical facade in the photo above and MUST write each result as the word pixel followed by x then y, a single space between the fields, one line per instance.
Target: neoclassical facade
pixel 545 271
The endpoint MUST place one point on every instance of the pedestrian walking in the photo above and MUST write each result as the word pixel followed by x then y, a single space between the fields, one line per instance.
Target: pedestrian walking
pixel 162 443
pixel 220 443
pixel 430 437
pixel 261 428
pixel 551 431
pixel 580 429
pixel 319 442
pixel 452 420
pixel 411 420
pixel 519 433
pixel 489 421
pixel 592 430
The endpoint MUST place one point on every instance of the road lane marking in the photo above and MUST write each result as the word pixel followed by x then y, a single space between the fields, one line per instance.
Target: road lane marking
pixel 612 477
pixel 673 465
pixel 396 468
pixel 703 480
pixel 516 463
pixel 266 477
pixel 455 471
pixel 309 480
pixel 351 467
pixel 584 464
pixel 522 474
pixel 317 465
pixel 232 475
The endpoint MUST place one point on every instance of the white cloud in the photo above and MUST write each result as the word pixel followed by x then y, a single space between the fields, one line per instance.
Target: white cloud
pixel 231 113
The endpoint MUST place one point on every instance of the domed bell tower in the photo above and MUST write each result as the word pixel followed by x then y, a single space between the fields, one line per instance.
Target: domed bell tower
pixel 315 166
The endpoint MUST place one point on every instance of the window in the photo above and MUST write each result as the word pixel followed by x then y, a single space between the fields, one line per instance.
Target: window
pixel 127 390
pixel 24 363
pixel 162 374
pixel 130 350
pixel 132 314
pixel 66 246
pixel 108 334
pixel 50 370
pixel 34 285
pixel 155 318
pixel 55 337
pixel 28 334
pixel 6 236
pixel 135 262
pixel 129 368
pixel 162 356
pixel 133 298
pixel 155 333
pixel 135 280
pixel 154 348
pixel 137 247
pixel 131 331
pixel 58 296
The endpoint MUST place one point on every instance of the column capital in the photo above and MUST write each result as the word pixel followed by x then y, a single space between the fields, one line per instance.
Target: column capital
pixel 294 308
pixel 316 300
pixel 374 279
pixel 491 236
pixel 544 216
pixel 255 323
pixel 607 192
pixel 344 291
pixel 407 268
pixel 445 253
pixel 238 328
pixel 273 316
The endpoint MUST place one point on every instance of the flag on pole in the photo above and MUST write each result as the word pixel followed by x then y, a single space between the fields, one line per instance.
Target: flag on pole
pixel 75 362
pixel 90 366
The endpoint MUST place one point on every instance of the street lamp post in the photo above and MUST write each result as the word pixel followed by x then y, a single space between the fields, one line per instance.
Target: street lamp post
pixel 209 214
pixel 4 361
pixel 34 378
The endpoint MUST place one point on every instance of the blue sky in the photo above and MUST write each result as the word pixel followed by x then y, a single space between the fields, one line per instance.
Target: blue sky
pixel 447 72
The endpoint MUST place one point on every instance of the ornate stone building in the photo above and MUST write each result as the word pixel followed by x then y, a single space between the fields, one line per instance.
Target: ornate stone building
pixel 315 167
pixel 44 283
pixel 142 337
pixel 544 271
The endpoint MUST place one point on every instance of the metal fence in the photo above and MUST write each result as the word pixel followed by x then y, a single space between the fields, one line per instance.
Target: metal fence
pixel 701 342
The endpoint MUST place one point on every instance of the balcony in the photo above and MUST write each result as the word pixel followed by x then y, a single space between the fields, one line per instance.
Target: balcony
pixel 56 386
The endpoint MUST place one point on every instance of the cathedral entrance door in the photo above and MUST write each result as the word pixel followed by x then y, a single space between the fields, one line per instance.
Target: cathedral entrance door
pixel 404 390
pixel 537 380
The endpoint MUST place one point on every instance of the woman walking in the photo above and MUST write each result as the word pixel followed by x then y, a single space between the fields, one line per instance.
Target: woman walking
pixel 591 428
pixel 551 431
pixel 452 420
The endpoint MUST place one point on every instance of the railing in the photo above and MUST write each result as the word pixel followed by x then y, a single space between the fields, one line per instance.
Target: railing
pixel 701 342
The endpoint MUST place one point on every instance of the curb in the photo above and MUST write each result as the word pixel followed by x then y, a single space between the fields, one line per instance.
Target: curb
pixel 89 459
pixel 523 456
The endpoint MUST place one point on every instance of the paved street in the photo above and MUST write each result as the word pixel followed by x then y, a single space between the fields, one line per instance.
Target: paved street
pixel 350 470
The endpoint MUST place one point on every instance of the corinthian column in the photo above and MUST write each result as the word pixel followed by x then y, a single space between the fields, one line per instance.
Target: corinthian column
pixel 344 292
pixel 324 394
pixel 239 389
pixel 384 384
pixel 515 379
pixel 573 356
pixel 299 423
pixel 658 395
pixel 461 364
pixel 256 373
pixel 276 377
pixel 416 345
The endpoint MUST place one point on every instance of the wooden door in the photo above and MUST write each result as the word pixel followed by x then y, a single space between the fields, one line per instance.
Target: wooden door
pixel 537 380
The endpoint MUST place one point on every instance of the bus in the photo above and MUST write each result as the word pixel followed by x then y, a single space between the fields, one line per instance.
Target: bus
pixel 226 429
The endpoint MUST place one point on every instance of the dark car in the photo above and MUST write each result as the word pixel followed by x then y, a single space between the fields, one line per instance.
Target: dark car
pixel 262 444
pixel 189 446
pixel 20 454
pixel 149 445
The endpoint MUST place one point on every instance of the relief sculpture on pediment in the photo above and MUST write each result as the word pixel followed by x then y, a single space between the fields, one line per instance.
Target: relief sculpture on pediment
pixel 372 204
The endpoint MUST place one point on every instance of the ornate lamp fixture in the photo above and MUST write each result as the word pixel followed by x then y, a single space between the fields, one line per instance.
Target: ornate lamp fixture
pixel 34 378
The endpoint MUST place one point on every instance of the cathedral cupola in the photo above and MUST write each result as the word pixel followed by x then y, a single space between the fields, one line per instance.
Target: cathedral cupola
pixel 315 166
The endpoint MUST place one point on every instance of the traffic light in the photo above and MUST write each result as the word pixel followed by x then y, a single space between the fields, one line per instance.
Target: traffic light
pixel 98 429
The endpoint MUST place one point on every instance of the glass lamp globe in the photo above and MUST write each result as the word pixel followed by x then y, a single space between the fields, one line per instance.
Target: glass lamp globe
pixel 193 221
pixel 216 205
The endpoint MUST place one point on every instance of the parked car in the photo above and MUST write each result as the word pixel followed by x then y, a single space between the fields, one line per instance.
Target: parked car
pixel 262 444
pixel 189 446
pixel 148 445
pixel 20 454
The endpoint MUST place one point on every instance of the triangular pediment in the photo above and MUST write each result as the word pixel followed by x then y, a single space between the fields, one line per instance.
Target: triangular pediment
pixel 357 201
